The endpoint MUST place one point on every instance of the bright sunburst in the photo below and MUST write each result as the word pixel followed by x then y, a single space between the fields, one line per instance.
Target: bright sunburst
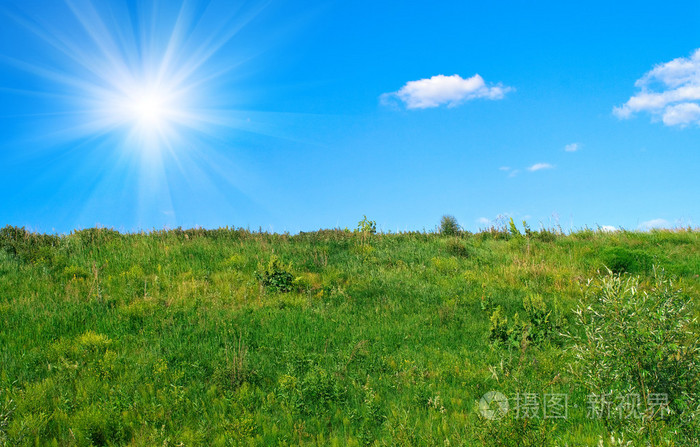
pixel 142 82
pixel 149 111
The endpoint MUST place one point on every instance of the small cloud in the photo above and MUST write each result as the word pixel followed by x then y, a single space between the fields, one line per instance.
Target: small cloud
pixel 539 167
pixel 655 223
pixel 681 114
pixel 608 229
pixel 483 220
pixel 514 172
pixel 573 147
pixel 504 168
pixel 444 90
pixel 670 92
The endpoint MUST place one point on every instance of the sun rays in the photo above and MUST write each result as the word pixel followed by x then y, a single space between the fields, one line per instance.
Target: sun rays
pixel 143 86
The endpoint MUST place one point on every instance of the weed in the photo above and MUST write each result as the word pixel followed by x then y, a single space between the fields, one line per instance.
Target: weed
pixel 537 326
pixel 513 228
pixel 6 411
pixel 366 226
pixel 274 276
pixel 236 369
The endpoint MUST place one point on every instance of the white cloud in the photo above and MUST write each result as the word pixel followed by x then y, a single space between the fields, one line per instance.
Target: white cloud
pixel 670 91
pixel 682 114
pixel 608 229
pixel 573 147
pixel 504 168
pixel 484 220
pixel 539 166
pixel 444 90
pixel 654 223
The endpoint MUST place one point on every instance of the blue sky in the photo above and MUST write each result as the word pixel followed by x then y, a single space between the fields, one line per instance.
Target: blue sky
pixel 299 115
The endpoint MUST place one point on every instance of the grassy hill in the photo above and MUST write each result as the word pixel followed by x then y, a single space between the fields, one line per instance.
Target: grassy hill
pixel 228 337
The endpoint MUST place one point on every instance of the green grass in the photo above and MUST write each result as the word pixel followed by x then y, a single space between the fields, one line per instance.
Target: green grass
pixel 170 338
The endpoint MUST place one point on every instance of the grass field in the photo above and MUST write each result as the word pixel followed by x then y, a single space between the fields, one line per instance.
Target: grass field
pixel 230 337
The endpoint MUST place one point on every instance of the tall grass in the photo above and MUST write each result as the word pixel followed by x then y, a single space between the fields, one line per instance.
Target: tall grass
pixel 229 337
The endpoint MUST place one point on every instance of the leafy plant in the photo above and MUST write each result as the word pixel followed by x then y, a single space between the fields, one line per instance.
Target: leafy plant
pixel 449 226
pixel 544 321
pixel 513 228
pixel 499 329
pixel 367 226
pixel 639 342
pixel 274 276
pixel 538 324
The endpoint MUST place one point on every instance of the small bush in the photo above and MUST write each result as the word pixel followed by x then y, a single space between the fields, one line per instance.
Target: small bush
pixel 27 246
pixel 367 226
pixel 449 226
pixel 544 321
pixel 540 323
pixel 456 247
pixel 274 276
pixel 511 431
pixel 641 343
pixel 625 260
pixel 545 235
pixel 499 329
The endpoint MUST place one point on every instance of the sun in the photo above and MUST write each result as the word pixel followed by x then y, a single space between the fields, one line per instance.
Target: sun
pixel 148 109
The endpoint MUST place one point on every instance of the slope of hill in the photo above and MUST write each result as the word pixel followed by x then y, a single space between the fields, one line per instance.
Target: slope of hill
pixel 227 337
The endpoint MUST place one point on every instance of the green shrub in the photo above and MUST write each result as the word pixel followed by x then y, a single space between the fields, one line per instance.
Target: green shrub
pixel 545 235
pixel 625 260
pixel 27 246
pixel 449 226
pixel 543 322
pixel 503 332
pixel 458 248
pixel 511 431
pixel 367 226
pixel 274 276
pixel 498 329
pixel 642 343
pixel 539 324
